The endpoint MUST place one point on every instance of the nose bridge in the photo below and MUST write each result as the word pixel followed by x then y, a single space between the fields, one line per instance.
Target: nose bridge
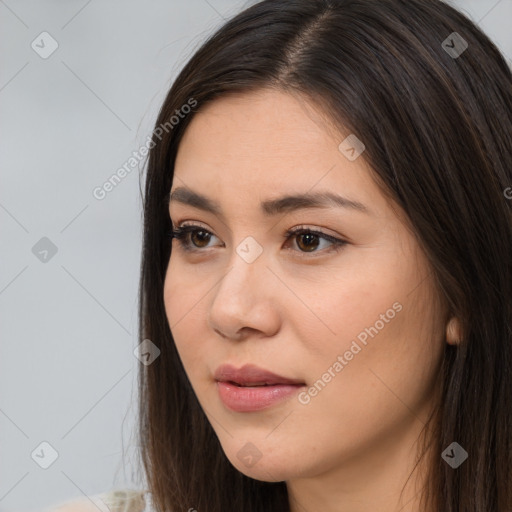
pixel 242 297
pixel 249 250
pixel 247 264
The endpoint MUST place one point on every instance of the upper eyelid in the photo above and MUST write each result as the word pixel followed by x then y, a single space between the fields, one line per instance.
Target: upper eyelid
pixel 180 205
pixel 333 239
pixel 319 229
pixel 305 227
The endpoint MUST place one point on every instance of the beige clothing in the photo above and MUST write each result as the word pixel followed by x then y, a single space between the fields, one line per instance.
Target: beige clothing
pixel 125 500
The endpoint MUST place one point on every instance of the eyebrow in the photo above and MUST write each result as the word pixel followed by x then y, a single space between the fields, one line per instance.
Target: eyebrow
pixel 271 207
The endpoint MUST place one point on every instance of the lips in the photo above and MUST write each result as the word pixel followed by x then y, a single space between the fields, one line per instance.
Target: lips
pixel 251 375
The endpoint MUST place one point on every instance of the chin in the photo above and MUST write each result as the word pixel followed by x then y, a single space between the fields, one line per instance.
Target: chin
pixel 267 464
pixel 263 473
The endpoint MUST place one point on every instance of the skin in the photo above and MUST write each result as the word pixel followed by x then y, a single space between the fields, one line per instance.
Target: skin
pixel 353 446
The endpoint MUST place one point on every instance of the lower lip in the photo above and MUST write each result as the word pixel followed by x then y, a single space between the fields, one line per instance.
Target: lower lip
pixel 247 399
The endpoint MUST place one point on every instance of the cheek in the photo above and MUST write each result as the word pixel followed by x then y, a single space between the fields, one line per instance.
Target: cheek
pixel 383 333
pixel 184 306
pixel 344 304
pixel 172 284
pixel 183 293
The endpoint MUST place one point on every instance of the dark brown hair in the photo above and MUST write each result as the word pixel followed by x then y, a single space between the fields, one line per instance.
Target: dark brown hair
pixel 438 134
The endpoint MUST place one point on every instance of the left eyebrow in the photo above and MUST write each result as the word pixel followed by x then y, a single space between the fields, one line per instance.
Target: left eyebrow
pixel 271 207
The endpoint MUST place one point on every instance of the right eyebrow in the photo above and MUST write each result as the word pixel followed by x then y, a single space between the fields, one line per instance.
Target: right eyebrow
pixel 271 207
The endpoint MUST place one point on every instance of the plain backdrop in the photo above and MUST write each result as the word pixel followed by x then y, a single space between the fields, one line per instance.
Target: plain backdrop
pixel 69 264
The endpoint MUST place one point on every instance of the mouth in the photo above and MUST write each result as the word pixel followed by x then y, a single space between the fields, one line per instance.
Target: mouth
pixel 256 384
pixel 250 388
pixel 250 375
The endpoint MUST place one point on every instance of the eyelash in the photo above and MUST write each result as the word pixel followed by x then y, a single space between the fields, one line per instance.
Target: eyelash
pixel 182 231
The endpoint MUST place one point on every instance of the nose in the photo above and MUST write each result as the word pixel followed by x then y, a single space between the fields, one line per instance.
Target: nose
pixel 246 301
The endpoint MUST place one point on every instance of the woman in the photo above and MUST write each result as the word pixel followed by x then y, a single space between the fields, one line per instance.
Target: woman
pixel 326 266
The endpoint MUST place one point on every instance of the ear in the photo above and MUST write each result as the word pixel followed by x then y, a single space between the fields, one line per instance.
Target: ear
pixel 453 331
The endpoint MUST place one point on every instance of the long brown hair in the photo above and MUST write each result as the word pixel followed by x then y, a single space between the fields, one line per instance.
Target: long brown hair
pixel 434 110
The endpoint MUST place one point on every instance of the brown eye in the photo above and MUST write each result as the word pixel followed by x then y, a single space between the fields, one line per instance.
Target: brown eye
pixel 194 238
pixel 191 238
pixel 200 238
pixel 307 241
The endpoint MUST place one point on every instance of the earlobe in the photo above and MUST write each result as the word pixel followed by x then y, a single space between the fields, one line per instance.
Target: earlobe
pixel 453 332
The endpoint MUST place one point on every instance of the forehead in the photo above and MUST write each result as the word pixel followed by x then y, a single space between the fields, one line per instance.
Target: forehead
pixel 269 122
pixel 267 144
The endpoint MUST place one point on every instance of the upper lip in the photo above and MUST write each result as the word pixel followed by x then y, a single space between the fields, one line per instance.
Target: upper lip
pixel 250 374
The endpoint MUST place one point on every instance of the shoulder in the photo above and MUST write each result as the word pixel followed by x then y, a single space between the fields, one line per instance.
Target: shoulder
pixel 125 500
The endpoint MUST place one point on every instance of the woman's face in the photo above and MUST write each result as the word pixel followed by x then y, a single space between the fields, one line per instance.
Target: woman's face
pixel 357 324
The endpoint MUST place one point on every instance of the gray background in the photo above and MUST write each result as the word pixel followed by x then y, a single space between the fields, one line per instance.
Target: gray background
pixel 68 373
